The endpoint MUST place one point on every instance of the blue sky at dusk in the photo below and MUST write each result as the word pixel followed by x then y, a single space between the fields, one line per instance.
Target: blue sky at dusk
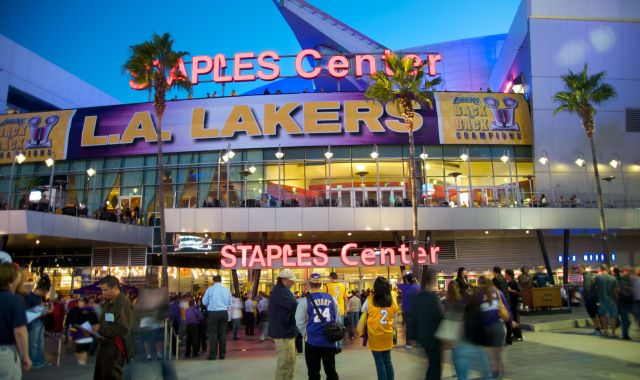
pixel 91 38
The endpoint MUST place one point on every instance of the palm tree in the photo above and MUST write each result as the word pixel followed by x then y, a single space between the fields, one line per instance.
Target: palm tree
pixel 407 85
pixel 581 93
pixel 152 64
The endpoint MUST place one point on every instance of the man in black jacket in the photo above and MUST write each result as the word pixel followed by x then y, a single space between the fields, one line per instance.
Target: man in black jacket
pixel 282 324
pixel 427 313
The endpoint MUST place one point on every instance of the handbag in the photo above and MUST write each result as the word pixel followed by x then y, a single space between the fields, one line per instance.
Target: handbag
pixel 450 331
pixel 333 331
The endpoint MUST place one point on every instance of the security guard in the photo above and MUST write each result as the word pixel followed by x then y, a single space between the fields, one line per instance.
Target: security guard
pixel 115 329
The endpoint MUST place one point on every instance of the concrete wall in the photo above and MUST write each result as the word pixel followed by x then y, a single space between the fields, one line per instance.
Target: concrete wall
pixel 30 73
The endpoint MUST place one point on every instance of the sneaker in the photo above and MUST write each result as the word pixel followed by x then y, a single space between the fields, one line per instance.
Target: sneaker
pixel 408 346
pixel 42 365
pixel 148 357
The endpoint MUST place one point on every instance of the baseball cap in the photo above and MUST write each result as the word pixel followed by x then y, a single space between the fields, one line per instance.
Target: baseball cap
pixel 315 278
pixel 5 258
pixel 288 274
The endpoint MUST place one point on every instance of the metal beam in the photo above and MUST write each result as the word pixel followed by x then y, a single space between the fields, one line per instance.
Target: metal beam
pixel 565 259
pixel 397 242
pixel 234 273
pixel 424 275
pixel 256 272
pixel 545 256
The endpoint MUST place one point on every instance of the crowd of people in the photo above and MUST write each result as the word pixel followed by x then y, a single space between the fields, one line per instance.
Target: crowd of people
pixel 475 321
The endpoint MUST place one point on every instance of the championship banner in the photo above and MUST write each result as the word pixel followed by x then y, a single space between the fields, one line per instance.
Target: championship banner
pixel 483 118
pixel 245 122
pixel 36 135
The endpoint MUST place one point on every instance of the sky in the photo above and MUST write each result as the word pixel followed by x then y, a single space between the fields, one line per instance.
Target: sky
pixel 91 38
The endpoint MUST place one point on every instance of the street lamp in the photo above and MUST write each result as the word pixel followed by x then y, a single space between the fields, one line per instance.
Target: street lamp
pixel 544 159
pixel 455 176
pixel 424 155
pixel 226 157
pixel 580 161
pixel 464 156
pixel 328 155
pixel 279 155
pixel 506 159
pixel 374 154
pixel 608 180
pixel 91 172
pixel 614 164
pixel 50 163
pixel 19 158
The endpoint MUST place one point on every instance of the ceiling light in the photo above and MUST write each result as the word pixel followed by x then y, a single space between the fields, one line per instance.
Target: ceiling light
pixel 37 242
pixel 360 167
pixel 348 233
pixel 526 232
pixel 299 234
pixel 486 232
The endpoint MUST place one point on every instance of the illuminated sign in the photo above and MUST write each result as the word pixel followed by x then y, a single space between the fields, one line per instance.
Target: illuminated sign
pixel 249 66
pixel 244 256
pixel 190 242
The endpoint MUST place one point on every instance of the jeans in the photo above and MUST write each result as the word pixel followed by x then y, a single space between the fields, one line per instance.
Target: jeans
pixel 352 317
pixel 235 325
pixel 264 328
pixel 36 342
pixel 251 323
pixel 384 367
pixel 434 371
pixel 217 324
pixel 408 326
pixel 314 355
pixel 467 356
pixel 636 311
pixel 625 310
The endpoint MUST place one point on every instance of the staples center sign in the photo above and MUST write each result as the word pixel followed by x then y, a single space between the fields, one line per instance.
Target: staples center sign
pixel 250 256
pixel 249 66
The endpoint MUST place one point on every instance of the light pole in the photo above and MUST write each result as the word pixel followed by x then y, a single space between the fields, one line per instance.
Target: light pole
pixel 423 156
pixel 328 154
pixel 455 176
pixel 609 179
pixel 464 156
pixel 91 172
pixel 615 163
pixel 279 155
pixel 218 187
pixel 19 158
pixel 375 156
pixel 544 160
pixel 580 161
pixel 229 154
pixel 506 159
pixel 50 163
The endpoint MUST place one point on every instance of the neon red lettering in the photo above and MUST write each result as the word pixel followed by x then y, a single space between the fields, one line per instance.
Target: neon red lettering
pixel 286 253
pixel 196 70
pixel 300 57
pixel 273 256
pixel 274 67
pixel 229 259
pixel 368 257
pixel 403 255
pixel 219 64
pixel 320 252
pixel 345 253
pixel 238 66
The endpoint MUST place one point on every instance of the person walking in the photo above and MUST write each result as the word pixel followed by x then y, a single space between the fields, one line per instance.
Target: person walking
pixel 515 294
pixel 34 303
pixel 235 313
pixel 625 299
pixel 282 324
pixel 463 282
pixel 217 299
pixel 353 313
pixel 339 291
pixel 115 329
pixel 427 315
pixel 263 310
pixel 14 338
pixel 503 286
pixel 409 289
pixel 381 311
pixel 635 281
pixel 78 316
pixel 310 321
pixel 193 317
pixel 590 298
pixel 606 287
pixel 250 315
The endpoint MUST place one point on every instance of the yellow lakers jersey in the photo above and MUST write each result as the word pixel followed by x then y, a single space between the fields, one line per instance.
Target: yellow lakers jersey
pixel 338 291
pixel 380 325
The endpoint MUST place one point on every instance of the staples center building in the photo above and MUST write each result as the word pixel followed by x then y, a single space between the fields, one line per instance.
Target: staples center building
pixel 314 176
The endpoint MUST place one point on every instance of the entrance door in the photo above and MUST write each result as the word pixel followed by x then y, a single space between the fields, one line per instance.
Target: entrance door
pixel 392 196
pixel 365 197
pixel 131 203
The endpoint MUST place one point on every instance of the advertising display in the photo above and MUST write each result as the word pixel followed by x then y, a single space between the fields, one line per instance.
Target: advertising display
pixel 483 118
pixel 263 121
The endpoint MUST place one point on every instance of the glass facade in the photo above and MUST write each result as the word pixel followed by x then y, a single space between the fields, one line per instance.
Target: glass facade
pixel 303 177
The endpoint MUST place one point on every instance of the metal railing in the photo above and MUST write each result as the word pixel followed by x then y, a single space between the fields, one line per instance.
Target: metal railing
pixel 170 335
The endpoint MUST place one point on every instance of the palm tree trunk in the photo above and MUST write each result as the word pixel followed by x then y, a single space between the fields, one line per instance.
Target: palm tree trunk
pixel 160 195
pixel 603 222
pixel 414 204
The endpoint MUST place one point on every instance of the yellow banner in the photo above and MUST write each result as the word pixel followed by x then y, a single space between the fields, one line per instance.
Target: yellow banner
pixel 483 118
pixel 37 136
